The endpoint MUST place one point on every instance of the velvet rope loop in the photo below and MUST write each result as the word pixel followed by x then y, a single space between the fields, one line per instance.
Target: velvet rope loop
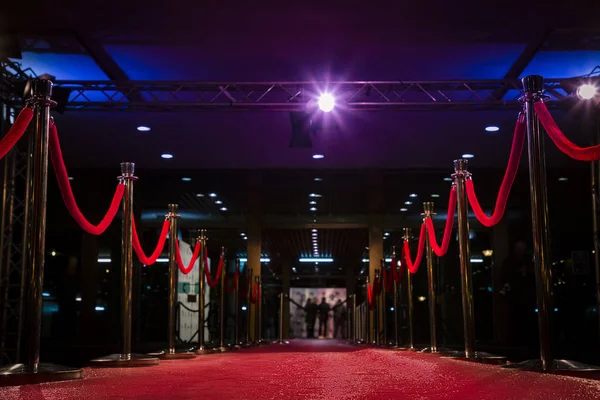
pixel 394 270
pixel 387 280
pixel 560 140
pixel 137 247
pixel 414 267
pixel 16 131
pixel 507 181
pixel 187 269
pixel 209 280
pixel 233 281
pixel 66 191
pixel 443 249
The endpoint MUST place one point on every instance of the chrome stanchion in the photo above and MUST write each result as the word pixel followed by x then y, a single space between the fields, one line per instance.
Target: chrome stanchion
pixel 126 358
pixel 259 305
pixel 281 341
pixel 396 320
pixel 222 315
pixel 247 342
pixel 533 86
pixel 171 353
pixel 409 297
pixel 460 176
pixel 384 305
pixel 40 93
pixel 201 347
pixel 236 315
pixel 376 336
pixel 431 289
pixel 367 317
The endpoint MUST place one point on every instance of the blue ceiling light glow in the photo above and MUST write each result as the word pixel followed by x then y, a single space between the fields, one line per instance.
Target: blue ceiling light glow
pixel 447 179
pixel 315 259
pixel 45 294
pixel 435 196
pixel 218 202
pixel 186 179
pixel 99 308
pixel 143 128
pixel 262 260
pixel 212 195
pixel 492 128
pixel 413 195
pixel 166 156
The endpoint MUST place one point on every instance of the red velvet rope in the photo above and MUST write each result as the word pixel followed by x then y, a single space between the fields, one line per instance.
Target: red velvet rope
pixel 443 249
pixel 233 281
pixel 560 140
pixel 209 280
pixel 387 280
pixel 137 247
pixel 64 184
pixel 186 270
pixel 394 270
pixel 507 181
pixel 16 131
pixel 414 267
pixel 370 295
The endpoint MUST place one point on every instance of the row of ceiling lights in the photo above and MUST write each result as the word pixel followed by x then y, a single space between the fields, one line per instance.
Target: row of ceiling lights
pixel 213 196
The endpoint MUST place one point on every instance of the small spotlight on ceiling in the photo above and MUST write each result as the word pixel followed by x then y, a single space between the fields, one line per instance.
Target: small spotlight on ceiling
pixel 314 230
pixel 166 156
pixel 142 128
pixel 435 195
pixel 218 202
pixel 223 208
pixel 467 155
pixel 563 179
pixel 318 156
pixel 412 195
pixel 586 91
pixel 71 178
pixel 199 195
pixel 408 203
pixel 318 179
pixel 186 179
pixel 313 209
pixel 403 209
pixel 326 102
pixel 53 253
pixel 492 128
pixel 245 237
pixel 212 195
pixel 312 202
pixel 314 195
pixel 447 179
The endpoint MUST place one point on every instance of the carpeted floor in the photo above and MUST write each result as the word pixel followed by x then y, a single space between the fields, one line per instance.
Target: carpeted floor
pixel 314 369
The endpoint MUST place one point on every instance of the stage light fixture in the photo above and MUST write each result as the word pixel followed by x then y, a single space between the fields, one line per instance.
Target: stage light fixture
pixel 467 155
pixel 326 102
pixel 142 128
pixel 586 91
pixel 166 156
pixel 492 128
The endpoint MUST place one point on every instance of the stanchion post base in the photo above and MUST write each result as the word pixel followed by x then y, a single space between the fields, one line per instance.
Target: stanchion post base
pixel 204 351
pixel 439 351
pixel 557 366
pixel 118 361
pixel 17 374
pixel 479 357
pixel 281 342
pixel 406 348
pixel 222 349
pixel 178 355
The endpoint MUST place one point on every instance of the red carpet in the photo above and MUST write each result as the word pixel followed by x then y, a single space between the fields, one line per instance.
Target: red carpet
pixel 312 370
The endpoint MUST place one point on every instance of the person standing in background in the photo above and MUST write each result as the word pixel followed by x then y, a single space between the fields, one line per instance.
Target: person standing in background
pixel 311 317
pixel 323 317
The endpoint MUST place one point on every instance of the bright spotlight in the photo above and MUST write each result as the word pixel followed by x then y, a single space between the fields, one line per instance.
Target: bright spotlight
pixel 326 102
pixel 584 92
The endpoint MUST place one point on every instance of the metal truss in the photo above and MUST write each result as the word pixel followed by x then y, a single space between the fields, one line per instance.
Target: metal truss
pixel 13 225
pixel 298 96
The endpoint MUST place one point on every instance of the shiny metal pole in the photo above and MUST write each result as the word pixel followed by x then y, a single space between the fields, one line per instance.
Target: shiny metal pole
pixel 281 341
pixel 367 317
pixel 595 169
pixel 40 93
pixel 126 358
pixel 236 315
pixel 377 337
pixel 259 303
pixel 202 238
pixel 384 305
pixel 256 313
pixel 171 353
pixel 396 320
pixel 533 86
pixel 222 315
pixel 409 296
pixel 248 306
pixel 433 334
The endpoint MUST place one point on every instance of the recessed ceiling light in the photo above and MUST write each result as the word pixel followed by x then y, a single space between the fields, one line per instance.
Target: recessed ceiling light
pixel 186 179
pixel 212 194
pixel 314 195
pixel 71 178
pixel 245 237
pixel 318 156
pixel 223 208
pixel 492 128
pixel 167 156
pixel 467 155
pixel 312 202
pixel 314 230
pixel 318 179
pixel 199 195
pixel 404 209
pixel 218 202
pixel 408 203
pixel 313 209
pixel 412 195
pixel 563 179
pixel 434 195
pixel 447 179
pixel 142 128
pixel 386 234
pixel 242 234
